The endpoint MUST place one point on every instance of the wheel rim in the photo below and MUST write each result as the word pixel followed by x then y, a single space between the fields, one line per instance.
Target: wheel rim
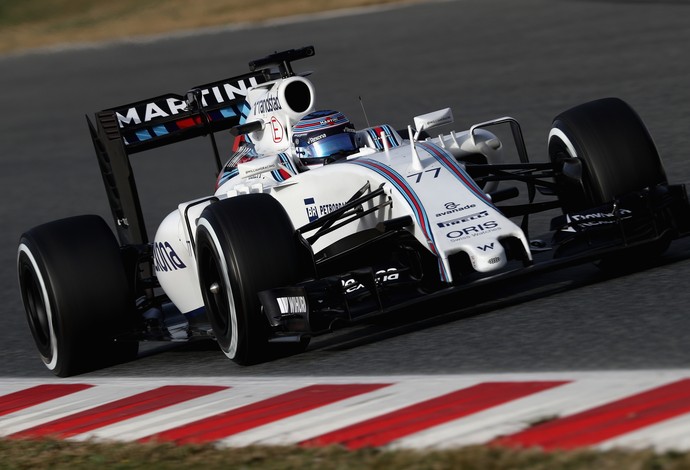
pixel 220 305
pixel 36 310
pixel 37 306
pixel 216 302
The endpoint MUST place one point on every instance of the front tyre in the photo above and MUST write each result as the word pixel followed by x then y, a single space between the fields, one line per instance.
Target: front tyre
pixel 613 147
pixel 616 155
pixel 76 294
pixel 244 245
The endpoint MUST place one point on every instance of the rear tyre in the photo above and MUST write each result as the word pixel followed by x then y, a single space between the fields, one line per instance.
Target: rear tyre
pixel 613 146
pixel 244 245
pixel 76 295
pixel 617 156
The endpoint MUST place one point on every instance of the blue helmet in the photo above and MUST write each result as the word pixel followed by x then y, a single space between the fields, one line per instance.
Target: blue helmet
pixel 323 136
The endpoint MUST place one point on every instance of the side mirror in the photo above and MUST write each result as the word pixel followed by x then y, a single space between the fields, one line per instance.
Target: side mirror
pixel 433 119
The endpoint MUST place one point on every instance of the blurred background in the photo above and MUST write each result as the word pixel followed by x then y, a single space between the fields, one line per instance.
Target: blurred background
pixel 530 60
pixel 27 24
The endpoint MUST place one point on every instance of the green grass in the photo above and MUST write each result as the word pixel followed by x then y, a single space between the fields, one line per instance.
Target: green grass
pixel 69 455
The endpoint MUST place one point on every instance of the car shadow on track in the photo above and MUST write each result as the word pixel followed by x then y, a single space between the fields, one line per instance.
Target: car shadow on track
pixel 483 299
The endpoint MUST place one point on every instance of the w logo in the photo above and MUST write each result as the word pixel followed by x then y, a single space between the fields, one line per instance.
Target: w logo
pixel 488 247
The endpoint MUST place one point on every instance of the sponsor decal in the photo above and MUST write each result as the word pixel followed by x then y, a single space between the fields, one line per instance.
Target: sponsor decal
pixel 488 247
pixel 277 129
pixel 165 107
pixel 460 220
pixel 150 111
pixel 315 211
pixel 452 207
pixel 316 139
pixel 473 230
pixel 312 212
pixel 267 105
pixel 328 208
pixel 418 176
pixel 596 219
pixel 292 305
pixel 165 259
pixel 494 260
pixel 438 122
pixel 382 276
pixel 260 169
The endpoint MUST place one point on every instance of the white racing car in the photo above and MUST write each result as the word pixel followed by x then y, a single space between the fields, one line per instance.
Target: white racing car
pixel 316 225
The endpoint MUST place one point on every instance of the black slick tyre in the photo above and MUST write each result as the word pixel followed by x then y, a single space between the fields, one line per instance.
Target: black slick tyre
pixel 244 245
pixel 617 156
pixel 614 148
pixel 76 295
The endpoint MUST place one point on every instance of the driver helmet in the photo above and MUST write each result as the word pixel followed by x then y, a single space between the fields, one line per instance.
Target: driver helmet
pixel 323 136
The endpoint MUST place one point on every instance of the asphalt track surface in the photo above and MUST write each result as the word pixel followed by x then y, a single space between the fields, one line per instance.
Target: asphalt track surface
pixel 484 58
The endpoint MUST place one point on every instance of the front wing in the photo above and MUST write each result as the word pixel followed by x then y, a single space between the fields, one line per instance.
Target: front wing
pixel 635 225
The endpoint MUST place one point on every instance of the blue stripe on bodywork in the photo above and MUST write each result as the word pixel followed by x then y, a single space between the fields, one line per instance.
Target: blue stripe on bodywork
pixel 287 161
pixel 143 134
pixel 449 162
pixel 159 130
pixel 245 109
pixel 412 199
pixel 226 176
pixel 228 112
pixel 375 139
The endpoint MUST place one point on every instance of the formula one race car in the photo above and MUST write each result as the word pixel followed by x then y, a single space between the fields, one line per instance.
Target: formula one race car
pixel 315 225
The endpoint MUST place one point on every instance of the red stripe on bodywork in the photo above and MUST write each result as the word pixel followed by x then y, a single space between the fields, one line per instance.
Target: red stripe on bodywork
pixel 262 412
pixel 455 168
pixel 188 122
pixel 36 395
pixel 407 190
pixel 607 421
pixel 414 418
pixel 119 410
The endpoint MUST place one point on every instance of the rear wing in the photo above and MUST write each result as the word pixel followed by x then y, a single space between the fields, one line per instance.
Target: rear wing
pixel 166 119
pixel 171 118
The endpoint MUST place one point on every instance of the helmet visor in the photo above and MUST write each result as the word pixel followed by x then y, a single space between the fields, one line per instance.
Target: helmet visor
pixel 335 145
